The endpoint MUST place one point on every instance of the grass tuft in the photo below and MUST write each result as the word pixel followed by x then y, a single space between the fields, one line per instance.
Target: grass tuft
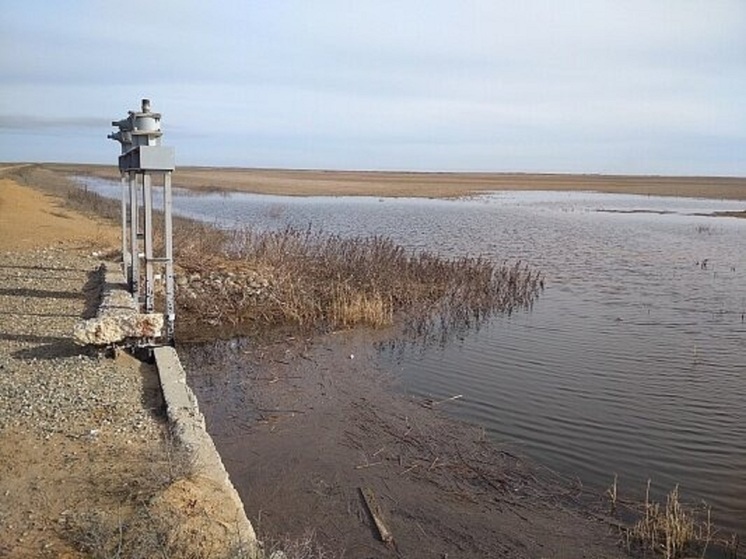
pixel 304 546
pixel 671 530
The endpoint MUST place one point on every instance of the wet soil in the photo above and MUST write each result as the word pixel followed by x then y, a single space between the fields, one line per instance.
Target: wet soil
pixel 304 427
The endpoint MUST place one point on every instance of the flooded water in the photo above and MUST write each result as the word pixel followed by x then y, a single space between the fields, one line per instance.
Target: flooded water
pixel 632 361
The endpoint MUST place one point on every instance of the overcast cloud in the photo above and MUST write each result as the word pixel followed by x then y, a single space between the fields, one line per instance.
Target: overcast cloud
pixel 569 86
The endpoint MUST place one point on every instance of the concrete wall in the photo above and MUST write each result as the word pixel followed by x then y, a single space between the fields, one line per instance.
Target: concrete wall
pixel 188 425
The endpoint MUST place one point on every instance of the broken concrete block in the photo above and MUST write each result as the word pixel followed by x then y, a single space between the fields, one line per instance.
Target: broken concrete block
pixel 109 329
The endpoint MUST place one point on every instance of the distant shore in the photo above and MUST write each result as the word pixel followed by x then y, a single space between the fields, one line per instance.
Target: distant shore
pixel 424 184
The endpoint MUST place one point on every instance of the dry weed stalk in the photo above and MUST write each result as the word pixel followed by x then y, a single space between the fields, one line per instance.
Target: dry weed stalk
pixel 673 530
pixel 305 546
pixel 613 494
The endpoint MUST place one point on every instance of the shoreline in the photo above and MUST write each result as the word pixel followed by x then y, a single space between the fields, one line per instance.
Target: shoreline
pixel 304 426
pixel 447 505
pixel 424 184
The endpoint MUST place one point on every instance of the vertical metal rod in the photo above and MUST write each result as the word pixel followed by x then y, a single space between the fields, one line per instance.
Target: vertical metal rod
pixel 134 250
pixel 148 242
pixel 170 303
pixel 125 259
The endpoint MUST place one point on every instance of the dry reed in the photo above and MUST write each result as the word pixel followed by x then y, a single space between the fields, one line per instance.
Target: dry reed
pixel 316 280
pixel 319 280
pixel 672 530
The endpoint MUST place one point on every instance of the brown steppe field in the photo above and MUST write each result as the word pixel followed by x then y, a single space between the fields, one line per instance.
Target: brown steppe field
pixel 429 185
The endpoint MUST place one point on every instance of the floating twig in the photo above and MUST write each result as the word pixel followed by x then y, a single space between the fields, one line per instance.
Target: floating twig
pixel 431 403
pixel 409 469
pixel 275 410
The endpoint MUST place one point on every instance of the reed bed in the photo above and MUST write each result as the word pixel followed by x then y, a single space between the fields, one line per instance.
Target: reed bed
pixel 318 280
pixel 669 530
pixel 234 282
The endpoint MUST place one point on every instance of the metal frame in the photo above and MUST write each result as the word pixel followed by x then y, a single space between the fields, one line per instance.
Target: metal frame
pixel 143 158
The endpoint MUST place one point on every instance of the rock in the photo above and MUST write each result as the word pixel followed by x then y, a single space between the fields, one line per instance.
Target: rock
pixel 112 329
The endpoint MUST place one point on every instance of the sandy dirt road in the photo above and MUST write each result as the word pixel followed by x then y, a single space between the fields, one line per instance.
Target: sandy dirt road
pixel 30 219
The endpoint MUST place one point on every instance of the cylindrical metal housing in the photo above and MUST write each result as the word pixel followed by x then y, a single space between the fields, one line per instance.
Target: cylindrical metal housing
pixel 147 122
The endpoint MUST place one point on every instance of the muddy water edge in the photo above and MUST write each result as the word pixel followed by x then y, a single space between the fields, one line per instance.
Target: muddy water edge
pixel 304 425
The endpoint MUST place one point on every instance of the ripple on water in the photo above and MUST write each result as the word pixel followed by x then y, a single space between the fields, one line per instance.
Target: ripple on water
pixel 632 361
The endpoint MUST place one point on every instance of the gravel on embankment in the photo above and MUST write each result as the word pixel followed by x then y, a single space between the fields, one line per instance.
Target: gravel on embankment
pixel 47 383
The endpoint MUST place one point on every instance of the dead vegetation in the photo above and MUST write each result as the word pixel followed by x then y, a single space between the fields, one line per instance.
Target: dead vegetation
pixel 305 546
pixel 321 281
pixel 146 532
pixel 671 530
pixel 310 280
pixel 129 523
pixel 166 510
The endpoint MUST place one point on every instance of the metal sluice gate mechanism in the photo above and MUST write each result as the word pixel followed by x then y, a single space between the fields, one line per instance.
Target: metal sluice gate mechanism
pixel 146 165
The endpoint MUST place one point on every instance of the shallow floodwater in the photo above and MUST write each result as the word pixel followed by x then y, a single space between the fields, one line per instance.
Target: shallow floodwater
pixel 631 362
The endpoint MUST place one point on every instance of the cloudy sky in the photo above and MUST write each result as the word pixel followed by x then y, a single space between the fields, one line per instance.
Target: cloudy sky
pixel 596 86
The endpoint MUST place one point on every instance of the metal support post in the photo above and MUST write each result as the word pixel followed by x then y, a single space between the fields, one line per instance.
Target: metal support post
pixel 169 242
pixel 148 242
pixel 134 248
pixel 125 257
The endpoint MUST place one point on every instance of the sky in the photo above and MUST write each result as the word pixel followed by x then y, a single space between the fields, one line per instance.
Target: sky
pixel 596 86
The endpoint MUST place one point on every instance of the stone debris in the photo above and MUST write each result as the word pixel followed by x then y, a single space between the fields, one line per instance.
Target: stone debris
pixel 243 285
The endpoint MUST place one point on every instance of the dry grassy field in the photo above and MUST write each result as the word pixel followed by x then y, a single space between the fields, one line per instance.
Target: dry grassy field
pixel 433 185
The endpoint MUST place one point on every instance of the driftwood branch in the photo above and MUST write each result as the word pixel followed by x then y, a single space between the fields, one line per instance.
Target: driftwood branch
pixel 375 511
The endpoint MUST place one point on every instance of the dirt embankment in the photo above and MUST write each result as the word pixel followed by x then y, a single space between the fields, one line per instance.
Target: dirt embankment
pixel 86 464
pixel 433 185
pixel 30 219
